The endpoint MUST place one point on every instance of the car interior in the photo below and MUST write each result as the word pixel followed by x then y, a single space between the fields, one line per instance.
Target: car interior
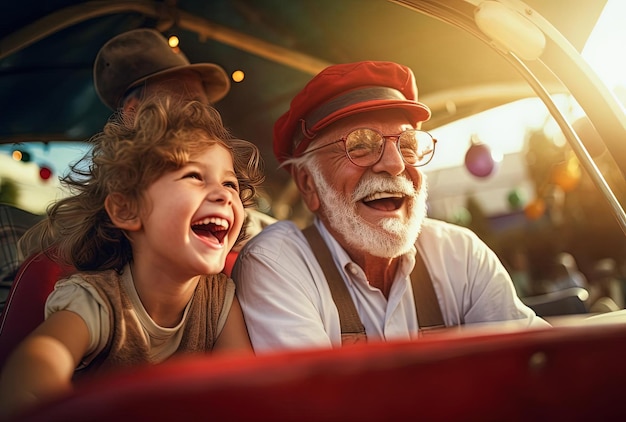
pixel 530 156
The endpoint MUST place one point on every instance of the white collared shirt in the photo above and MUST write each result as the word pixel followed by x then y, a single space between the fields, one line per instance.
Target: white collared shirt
pixel 287 303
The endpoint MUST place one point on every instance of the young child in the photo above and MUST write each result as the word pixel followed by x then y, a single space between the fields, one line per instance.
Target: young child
pixel 150 221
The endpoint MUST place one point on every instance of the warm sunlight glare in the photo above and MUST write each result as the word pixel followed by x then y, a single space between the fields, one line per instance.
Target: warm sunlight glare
pixel 504 128
pixel 604 49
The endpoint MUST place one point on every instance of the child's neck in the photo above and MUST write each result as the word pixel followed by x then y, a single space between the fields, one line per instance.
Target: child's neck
pixel 163 297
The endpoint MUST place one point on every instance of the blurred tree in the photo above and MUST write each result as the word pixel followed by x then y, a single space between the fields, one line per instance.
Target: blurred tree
pixel 9 191
pixel 581 220
pixel 479 223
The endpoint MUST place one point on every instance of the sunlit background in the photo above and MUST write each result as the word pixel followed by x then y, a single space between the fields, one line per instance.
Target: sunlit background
pixel 504 129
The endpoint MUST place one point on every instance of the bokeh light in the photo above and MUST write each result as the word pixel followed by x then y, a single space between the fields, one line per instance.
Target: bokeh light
pixel 173 41
pixel 238 75
pixel 45 172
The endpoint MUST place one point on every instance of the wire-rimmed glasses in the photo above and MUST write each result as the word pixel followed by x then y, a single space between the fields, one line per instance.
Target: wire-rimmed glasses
pixel 364 146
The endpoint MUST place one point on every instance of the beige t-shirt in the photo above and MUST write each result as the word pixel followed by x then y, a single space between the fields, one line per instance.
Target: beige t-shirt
pixel 76 295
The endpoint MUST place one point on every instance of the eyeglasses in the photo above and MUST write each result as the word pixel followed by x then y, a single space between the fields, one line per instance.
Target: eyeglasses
pixel 364 147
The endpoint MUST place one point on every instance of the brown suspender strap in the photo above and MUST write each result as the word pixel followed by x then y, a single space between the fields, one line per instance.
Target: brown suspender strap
pixel 427 307
pixel 352 329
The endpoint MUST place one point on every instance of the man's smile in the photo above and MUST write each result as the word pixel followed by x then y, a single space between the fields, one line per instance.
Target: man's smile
pixel 384 201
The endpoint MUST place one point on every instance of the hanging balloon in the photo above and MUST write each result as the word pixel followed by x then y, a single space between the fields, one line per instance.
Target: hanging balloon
pixel 535 209
pixel 515 199
pixel 566 175
pixel 45 172
pixel 479 159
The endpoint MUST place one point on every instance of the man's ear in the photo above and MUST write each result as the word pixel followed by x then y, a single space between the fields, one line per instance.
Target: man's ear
pixel 131 104
pixel 307 188
pixel 121 212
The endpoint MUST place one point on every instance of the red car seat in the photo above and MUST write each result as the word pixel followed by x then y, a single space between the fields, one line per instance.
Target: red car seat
pixel 24 309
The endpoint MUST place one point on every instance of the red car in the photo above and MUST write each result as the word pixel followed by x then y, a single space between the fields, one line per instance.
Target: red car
pixel 549 164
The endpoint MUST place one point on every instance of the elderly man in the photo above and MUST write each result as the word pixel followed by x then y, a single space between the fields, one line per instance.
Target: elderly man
pixel 372 266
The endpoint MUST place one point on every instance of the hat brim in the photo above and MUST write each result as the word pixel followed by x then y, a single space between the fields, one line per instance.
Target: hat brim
pixel 214 79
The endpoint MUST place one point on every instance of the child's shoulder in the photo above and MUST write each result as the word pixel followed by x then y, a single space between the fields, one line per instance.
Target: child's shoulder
pixel 105 275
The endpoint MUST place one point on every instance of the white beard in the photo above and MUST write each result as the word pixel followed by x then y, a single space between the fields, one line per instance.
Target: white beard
pixel 393 237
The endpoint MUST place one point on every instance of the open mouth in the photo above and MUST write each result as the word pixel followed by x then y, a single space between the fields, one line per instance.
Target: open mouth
pixel 384 201
pixel 211 226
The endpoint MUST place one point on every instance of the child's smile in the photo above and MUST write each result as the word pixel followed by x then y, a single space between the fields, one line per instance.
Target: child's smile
pixel 211 226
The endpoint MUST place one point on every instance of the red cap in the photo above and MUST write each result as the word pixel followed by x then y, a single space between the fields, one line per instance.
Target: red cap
pixel 344 90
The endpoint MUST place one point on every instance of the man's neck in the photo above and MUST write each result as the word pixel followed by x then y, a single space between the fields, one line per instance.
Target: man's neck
pixel 380 272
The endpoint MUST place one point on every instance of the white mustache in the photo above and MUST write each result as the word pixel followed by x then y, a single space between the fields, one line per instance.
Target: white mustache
pixel 374 183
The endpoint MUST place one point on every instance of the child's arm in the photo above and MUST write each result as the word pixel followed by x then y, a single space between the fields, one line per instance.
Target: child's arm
pixel 43 364
pixel 234 335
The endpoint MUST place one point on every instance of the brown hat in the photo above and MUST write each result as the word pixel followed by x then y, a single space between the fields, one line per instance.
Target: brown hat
pixel 340 91
pixel 134 56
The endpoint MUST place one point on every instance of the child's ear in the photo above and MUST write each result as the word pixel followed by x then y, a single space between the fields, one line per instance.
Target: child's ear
pixel 121 213
pixel 306 185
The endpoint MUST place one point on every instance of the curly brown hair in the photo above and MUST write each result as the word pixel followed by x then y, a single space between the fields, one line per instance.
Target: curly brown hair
pixel 133 150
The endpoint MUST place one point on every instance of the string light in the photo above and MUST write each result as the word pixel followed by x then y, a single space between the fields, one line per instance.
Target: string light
pixel 238 75
pixel 173 41
pixel 19 155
